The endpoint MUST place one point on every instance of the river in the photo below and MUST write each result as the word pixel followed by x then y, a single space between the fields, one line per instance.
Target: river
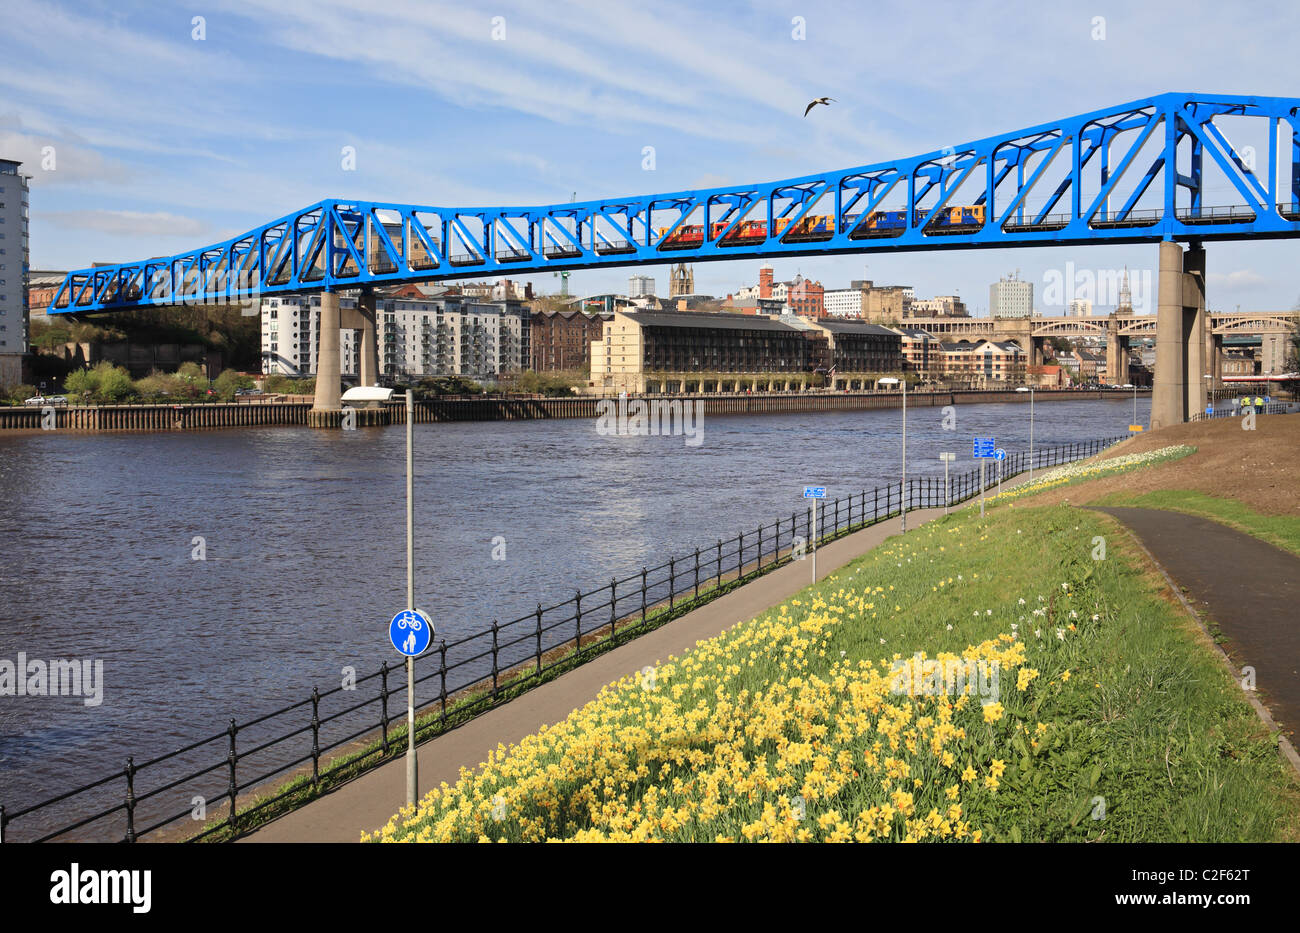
pixel 303 535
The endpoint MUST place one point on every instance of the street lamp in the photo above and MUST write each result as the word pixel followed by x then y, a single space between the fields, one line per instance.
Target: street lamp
pixel 1030 390
pixel 902 487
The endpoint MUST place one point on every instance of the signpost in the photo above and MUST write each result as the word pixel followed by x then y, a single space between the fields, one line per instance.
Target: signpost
pixel 984 449
pixel 947 458
pixel 410 631
pixel 415 622
pixel 999 455
pixel 814 492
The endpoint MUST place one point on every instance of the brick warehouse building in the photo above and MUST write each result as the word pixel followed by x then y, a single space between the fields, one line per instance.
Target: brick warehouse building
pixel 562 339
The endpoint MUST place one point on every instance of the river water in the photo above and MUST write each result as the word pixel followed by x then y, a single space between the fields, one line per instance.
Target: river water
pixel 303 535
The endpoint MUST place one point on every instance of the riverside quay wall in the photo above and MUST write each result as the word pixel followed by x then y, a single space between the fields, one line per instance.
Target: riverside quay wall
pixel 489 408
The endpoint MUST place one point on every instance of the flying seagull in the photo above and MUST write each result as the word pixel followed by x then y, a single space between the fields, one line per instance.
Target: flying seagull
pixel 820 100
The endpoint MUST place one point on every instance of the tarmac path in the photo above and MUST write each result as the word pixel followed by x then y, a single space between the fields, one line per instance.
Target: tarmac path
pixel 1248 587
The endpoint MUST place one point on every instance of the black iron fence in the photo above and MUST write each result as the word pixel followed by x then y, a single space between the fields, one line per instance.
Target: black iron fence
pixel 223 784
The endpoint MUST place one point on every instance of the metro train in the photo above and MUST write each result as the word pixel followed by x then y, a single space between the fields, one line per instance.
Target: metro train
pixel 818 227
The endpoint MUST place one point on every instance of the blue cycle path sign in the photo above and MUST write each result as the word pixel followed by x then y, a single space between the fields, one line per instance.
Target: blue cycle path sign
pixel 410 632
pixel 999 454
pixel 814 492
pixel 984 448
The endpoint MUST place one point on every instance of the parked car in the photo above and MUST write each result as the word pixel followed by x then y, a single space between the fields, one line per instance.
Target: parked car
pixel 46 400
pixel 248 392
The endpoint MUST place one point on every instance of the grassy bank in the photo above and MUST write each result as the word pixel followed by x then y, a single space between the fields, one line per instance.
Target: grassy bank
pixel 1105 717
pixel 1280 530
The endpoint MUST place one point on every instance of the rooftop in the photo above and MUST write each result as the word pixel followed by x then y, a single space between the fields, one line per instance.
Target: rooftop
pixel 706 319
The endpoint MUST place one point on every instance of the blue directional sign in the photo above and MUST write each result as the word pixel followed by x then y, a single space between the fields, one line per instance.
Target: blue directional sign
pixel 1209 409
pixel 410 632
pixel 999 454
pixel 814 492
pixel 984 448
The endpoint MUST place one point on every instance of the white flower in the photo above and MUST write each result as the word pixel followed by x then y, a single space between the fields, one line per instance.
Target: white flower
pixel 1040 612
pixel 988 612
pixel 1021 601
pixel 1060 634
pixel 1065 587
pixel 882 641
pixel 842 653
pixel 1014 626
pixel 950 624
pixel 1073 614
pixel 1038 633
pixel 1096 618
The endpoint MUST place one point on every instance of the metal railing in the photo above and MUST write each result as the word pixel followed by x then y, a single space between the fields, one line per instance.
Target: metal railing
pixel 1237 411
pixel 462 678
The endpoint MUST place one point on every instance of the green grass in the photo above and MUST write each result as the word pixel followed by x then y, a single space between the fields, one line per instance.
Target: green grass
pixel 1149 720
pixel 1279 530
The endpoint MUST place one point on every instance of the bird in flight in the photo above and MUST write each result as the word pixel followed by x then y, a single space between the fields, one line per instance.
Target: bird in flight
pixel 821 100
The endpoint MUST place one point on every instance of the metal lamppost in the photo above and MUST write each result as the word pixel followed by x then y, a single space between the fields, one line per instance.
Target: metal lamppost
pixel 1031 434
pixel 412 779
pixel 1030 390
pixel 902 488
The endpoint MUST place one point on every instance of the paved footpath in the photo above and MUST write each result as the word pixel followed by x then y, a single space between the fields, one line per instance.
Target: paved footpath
pixel 1250 588
pixel 368 802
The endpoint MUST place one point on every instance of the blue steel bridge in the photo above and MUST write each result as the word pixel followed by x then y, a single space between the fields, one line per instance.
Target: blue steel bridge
pixel 1166 170
pixel 1162 168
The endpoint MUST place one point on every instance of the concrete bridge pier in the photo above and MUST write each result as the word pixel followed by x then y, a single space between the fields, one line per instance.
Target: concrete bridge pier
pixel 1181 329
pixel 1214 352
pixel 327 409
pixel 1197 328
pixel 1116 357
pixel 369 348
pixel 1036 350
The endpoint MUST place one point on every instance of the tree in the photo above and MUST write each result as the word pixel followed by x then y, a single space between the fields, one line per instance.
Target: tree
pixel 104 382
pixel 228 382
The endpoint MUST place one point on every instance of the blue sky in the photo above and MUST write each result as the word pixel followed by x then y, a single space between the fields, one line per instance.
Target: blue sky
pixel 164 143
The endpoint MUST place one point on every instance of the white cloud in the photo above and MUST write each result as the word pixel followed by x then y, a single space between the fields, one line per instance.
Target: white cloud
pixel 129 223
pixel 1242 279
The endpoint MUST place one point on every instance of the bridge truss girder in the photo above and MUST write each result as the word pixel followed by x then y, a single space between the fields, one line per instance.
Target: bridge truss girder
pixel 347 244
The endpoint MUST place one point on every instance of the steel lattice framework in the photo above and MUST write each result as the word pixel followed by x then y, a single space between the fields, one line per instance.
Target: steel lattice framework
pixel 1134 173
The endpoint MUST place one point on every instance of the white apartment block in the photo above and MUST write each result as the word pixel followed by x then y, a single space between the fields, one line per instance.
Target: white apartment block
pixel 640 286
pixel 1080 307
pixel 842 302
pixel 415 337
pixel 290 339
pixel 1011 297
pixel 13 272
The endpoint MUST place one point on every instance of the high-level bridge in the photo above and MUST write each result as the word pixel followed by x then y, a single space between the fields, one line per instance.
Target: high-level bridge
pixel 1117 328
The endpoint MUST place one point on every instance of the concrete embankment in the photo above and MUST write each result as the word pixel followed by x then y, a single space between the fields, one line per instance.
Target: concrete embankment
pixel 492 408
